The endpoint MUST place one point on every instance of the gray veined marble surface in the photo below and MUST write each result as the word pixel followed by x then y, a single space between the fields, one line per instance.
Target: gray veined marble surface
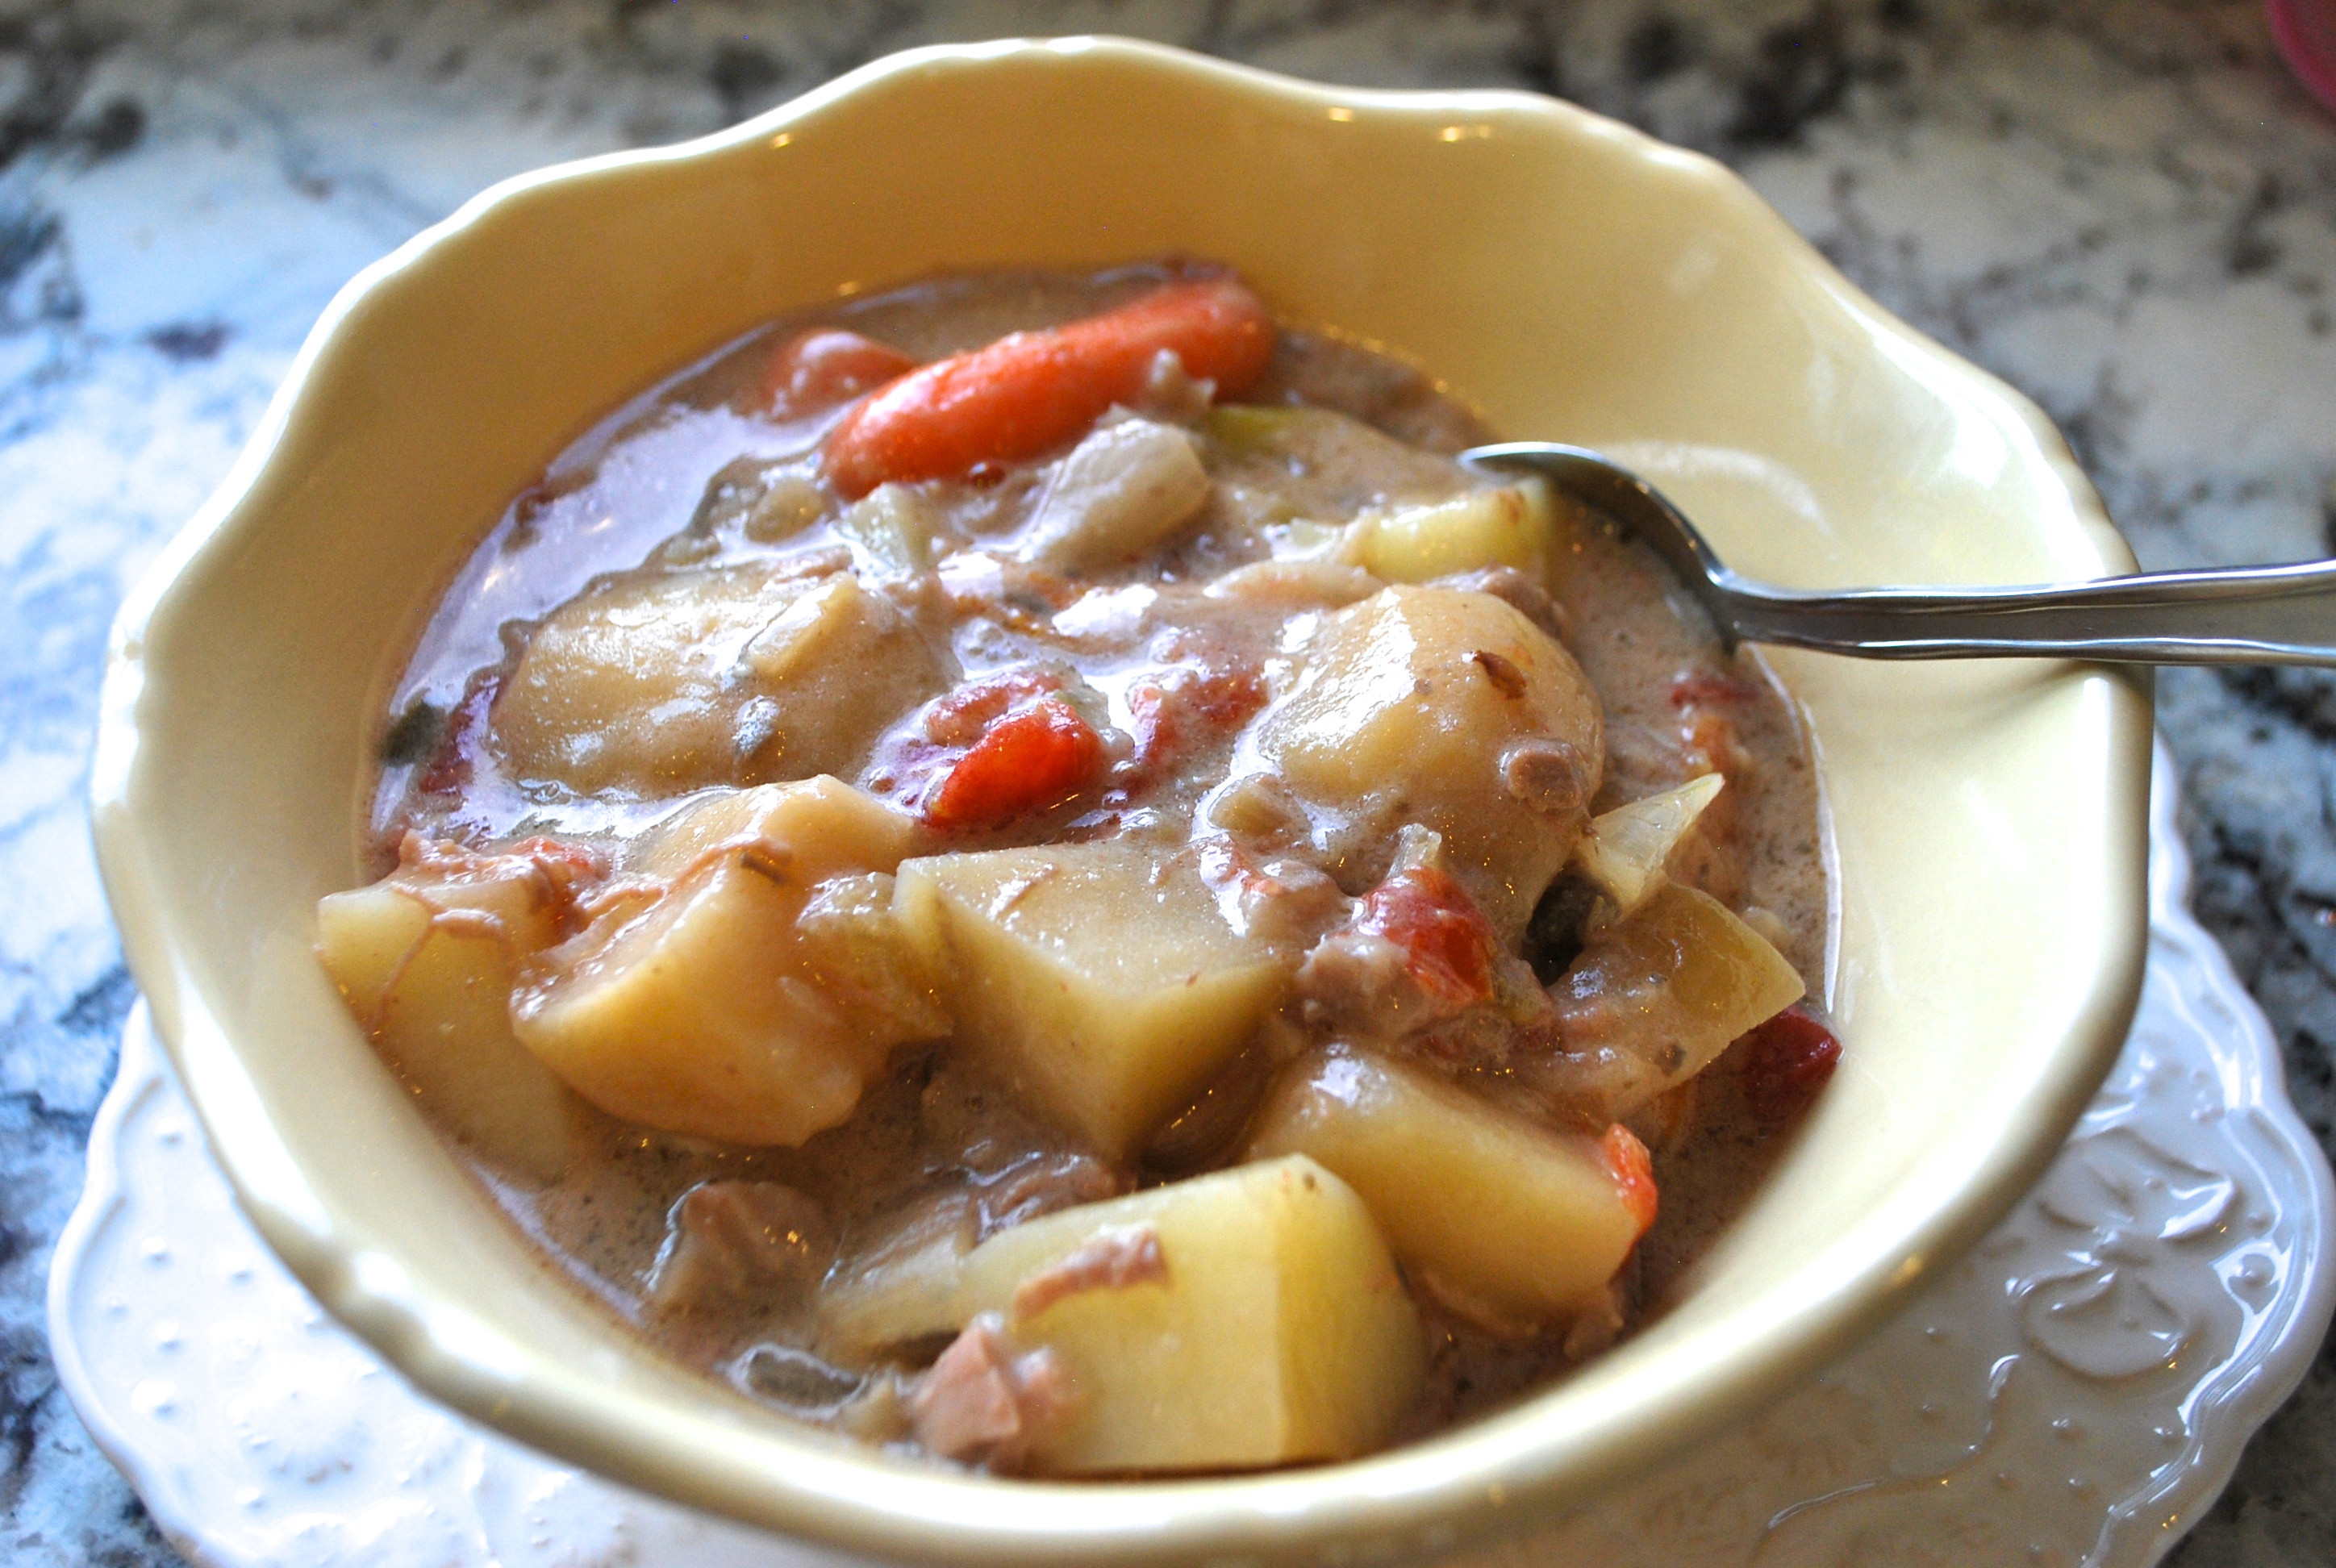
pixel 2125 209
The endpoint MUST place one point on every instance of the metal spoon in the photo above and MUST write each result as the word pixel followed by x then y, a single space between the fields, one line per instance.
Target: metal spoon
pixel 2244 615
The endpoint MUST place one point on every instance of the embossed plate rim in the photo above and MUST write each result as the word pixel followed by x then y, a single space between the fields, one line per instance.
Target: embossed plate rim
pixel 2240 1399
pixel 2238 1394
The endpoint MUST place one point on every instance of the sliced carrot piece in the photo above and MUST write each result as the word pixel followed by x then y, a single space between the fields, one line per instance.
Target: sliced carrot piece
pixel 1032 758
pixel 1030 391
pixel 825 367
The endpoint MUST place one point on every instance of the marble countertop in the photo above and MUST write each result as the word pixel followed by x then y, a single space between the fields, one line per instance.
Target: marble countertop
pixel 2123 206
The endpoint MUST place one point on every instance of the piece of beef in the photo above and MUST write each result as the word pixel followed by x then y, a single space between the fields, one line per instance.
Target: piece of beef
pixel 1520 591
pixel 1041 1184
pixel 984 1404
pixel 732 1244
pixel 1111 1259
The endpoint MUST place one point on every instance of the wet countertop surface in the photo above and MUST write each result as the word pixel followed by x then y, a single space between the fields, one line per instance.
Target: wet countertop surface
pixel 2125 207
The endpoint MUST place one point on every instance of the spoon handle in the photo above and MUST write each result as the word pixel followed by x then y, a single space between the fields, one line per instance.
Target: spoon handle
pixel 2246 615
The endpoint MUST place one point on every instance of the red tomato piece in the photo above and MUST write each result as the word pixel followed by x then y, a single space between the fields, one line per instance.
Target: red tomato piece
pixel 1181 708
pixel 1709 744
pixel 1032 758
pixel 1030 391
pixel 1787 1060
pixel 825 367
pixel 1634 1174
pixel 566 863
pixel 1704 687
pixel 962 717
pixel 1446 938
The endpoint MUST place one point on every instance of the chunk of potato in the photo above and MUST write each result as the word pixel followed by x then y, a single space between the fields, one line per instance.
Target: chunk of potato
pixel 1654 998
pixel 852 934
pixel 1624 850
pixel 835 617
pixel 891 530
pixel 1500 1212
pixel 1101 983
pixel 710 676
pixel 1130 486
pixel 699 1010
pixel 426 960
pixel 1272 1329
pixel 1508 526
pixel 1450 709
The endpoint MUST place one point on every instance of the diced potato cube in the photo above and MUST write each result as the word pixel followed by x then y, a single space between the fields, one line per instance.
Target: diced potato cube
pixel 628 684
pixel 1509 526
pixel 711 675
pixel 851 932
pixel 826 827
pixel 891 530
pixel 1670 987
pixel 1450 709
pixel 838 619
pixel 699 1010
pixel 427 964
pixel 1274 1330
pixel 1130 486
pixel 1499 1211
pixel 787 503
pixel 1102 984
pixel 1624 850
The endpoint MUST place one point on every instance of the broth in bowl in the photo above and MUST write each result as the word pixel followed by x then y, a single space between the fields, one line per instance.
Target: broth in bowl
pixel 1027 867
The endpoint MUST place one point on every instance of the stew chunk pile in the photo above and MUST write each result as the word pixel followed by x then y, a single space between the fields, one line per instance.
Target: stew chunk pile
pixel 1027 867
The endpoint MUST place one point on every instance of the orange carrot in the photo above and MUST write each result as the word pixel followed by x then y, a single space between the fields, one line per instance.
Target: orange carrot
pixel 825 367
pixel 1033 391
pixel 1033 758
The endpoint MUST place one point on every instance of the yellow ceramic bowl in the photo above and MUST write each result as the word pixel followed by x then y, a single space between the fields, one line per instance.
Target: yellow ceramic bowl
pixel 1577 280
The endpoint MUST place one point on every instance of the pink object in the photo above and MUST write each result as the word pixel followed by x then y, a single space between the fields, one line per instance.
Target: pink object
pixel 2306 32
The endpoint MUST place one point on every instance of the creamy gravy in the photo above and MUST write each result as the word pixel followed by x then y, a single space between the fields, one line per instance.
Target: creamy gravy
pixel 694 475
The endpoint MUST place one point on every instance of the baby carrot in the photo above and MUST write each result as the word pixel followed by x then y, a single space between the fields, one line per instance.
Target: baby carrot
pixel 1032 391
pixel 823 367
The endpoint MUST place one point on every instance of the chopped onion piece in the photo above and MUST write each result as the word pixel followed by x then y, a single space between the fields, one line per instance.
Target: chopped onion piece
pixel 1624 850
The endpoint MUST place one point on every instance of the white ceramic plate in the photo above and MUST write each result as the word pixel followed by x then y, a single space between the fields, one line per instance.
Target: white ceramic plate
pixel 2076 1391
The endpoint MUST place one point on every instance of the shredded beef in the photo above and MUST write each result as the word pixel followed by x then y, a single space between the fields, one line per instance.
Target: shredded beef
pixel 982 1404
